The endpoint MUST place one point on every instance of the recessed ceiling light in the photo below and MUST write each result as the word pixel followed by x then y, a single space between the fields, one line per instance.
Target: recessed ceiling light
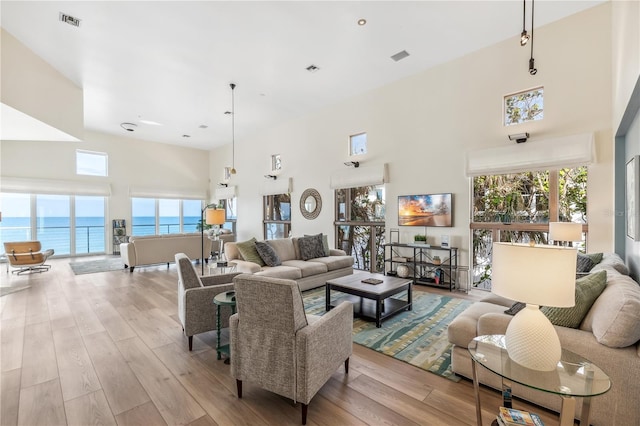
pixel 129 127
pixel 227 113
pixel 362 21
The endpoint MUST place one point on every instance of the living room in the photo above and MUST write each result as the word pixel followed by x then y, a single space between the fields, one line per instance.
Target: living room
pixel 421 127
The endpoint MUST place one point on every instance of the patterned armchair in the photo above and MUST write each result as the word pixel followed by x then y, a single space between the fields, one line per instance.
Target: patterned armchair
pixel 195 298
pixel 276 346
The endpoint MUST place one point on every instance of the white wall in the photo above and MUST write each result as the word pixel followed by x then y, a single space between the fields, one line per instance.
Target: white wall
pixel 132 164
pixel 626 54
pixel 423 125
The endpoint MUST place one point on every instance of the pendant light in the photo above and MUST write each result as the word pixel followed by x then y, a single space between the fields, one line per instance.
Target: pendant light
pixel 233 131
pixel 524 37
pixel 532 62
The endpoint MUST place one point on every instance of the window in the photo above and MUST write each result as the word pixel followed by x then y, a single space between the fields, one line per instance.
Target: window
pixel 150 216
pixel 276 163
pixel 358 144
pixel 230 206
pixel 91 163
pixel 68 224
pixel 277 216
pixel 360 225
pixel 518 208
pixel 524 106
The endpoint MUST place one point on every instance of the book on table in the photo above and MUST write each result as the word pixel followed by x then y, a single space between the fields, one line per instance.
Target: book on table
pixel 513 417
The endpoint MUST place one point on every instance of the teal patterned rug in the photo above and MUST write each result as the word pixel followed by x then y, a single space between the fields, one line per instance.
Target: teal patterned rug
pixel 418 337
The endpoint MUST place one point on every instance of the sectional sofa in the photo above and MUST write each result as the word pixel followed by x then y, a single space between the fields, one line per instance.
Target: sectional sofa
pixel 310 273
pixel 609 336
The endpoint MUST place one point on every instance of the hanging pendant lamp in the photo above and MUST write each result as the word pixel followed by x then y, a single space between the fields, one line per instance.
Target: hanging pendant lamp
pixel 532 62
pixel 524 37
pixel 233 131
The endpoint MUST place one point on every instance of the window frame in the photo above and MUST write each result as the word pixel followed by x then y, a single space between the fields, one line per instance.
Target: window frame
pixel 268 204
pixel 94 154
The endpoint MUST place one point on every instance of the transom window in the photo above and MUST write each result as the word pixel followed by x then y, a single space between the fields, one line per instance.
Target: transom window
pixel 358 144
pixel 91 163
pixel 524 106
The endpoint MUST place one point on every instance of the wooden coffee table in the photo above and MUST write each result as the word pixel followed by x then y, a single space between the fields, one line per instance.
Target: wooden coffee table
pixel 371 301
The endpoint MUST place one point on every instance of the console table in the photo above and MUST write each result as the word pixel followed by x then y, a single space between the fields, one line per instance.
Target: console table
pixel 424 269
pixel 573 377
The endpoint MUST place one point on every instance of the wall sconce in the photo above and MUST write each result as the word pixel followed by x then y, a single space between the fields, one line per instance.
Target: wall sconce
pixel 519 137
pixel 355 164
pixel 223 185
pixel 272 177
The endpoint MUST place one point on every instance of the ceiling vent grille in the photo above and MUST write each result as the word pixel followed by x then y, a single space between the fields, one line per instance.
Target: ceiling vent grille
pixel 69 19
pixel 400 55
pixel 312 68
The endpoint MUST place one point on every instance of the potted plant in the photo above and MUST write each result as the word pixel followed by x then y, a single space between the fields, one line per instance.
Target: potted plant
pixel 420 239
pixel 436 260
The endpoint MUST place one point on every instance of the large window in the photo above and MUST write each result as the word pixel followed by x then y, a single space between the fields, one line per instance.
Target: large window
pixel 277 216
pixel 518 208
pixel 360 225
pixel 151 216
pixel 68 224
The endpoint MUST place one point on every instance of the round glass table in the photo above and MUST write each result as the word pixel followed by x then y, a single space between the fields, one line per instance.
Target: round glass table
pixel 573 377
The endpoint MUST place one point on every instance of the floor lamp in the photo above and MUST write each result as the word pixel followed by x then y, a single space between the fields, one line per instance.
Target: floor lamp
pixel 213 216
pixel 562 232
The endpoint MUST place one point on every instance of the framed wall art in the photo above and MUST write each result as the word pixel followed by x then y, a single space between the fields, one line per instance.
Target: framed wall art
pixel 633 197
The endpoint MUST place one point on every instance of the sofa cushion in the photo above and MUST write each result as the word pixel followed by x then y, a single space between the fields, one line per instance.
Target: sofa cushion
pixel 587 291
pixel 612 261
pixel 463 328
pixel 614 317
pixel 282 271
pixel 311 247
pixel 595 257
pixel 249 252
pixel 584 263
pixel 283 248
pixel 307 268
pixel 335 262
pixel 267 253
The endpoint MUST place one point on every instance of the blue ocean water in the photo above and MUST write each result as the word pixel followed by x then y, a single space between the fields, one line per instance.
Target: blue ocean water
pixel 90 235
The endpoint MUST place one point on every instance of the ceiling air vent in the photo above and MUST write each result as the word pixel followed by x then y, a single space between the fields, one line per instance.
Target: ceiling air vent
pixel 400 55
pixel 312 68
pixel 69 19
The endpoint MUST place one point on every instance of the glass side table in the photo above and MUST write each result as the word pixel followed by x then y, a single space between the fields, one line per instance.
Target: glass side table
pixel 221 267
pixel 573 377
pixel 223 299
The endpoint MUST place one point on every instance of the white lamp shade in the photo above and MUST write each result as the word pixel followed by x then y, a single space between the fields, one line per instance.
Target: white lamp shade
pixel 539 275
pixel 565 231
pixel 215 217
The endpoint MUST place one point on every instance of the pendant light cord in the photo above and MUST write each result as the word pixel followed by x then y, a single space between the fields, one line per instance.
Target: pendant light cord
pixel 524 15
pixel 233 128
pixel 532 6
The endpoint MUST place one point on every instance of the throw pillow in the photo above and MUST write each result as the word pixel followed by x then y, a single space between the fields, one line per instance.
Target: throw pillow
pixel 595 257
pixel 268 254
pixel 325 243
pixel 249 252
pixel 311 247
pixel 515 308
pixel 587 291
pixel 584 263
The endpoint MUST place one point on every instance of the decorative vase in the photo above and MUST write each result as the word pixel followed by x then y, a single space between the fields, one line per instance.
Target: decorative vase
pixel 402 271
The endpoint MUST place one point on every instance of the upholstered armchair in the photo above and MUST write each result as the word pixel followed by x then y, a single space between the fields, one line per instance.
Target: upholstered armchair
pixel 276 346
pixel 195 298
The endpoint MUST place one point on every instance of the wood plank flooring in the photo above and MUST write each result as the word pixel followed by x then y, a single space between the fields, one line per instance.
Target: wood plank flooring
pixel 108 349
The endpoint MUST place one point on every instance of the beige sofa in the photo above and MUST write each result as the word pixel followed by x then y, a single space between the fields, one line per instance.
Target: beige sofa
pixel 609 336
pixel 154 249
pixel 307 273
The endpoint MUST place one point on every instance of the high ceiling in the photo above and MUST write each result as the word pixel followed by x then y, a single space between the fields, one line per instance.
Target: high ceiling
pixel 171 62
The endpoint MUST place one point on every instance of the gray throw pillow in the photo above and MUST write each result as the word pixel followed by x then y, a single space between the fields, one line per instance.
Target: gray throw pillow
pixel 311 247
pixel 325 243
pixel 584 263
pixel 595 257
pixel 268 254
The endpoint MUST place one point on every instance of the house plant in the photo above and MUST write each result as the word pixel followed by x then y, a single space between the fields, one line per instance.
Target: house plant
pixel 420 239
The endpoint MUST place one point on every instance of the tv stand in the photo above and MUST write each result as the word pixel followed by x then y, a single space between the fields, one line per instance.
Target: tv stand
pixel 423 268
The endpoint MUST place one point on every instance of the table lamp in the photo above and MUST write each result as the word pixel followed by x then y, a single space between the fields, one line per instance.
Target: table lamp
pixel 213 216
pixel 561 232
pixel 536 275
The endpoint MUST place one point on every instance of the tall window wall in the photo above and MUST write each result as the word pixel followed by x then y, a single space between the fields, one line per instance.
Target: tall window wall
pixel 157 216
pixel 518 208
pixel 360 225
pixel 277 216
pixel 68 224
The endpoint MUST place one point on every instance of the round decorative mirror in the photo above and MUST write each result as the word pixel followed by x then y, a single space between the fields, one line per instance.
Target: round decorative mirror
pixel 310 203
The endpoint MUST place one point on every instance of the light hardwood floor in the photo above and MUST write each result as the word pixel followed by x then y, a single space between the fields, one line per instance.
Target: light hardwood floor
pixel 108 348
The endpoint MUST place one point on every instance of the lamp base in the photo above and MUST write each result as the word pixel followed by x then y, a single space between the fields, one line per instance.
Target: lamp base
pixel 532 341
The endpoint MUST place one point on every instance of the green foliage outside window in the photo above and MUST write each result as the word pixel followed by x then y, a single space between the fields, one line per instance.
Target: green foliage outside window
pixel 524 106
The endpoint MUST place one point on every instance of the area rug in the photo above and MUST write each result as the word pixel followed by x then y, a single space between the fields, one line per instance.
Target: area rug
pixel 418 337
pixel 98 265
pixel 13 289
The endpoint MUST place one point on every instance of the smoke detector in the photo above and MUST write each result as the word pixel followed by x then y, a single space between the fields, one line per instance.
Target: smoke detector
pixel 129 127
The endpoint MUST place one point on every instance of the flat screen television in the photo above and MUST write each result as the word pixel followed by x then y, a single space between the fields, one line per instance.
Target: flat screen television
pixel 425 210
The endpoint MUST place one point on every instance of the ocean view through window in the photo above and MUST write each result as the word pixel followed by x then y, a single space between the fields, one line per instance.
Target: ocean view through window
pixel 151 216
